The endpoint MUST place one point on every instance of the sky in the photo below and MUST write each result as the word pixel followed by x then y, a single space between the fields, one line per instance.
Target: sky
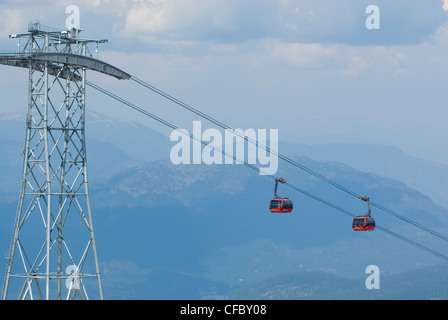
pixel 310 68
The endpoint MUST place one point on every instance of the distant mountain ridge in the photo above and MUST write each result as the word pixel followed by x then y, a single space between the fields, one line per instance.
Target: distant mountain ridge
pixel 209 227
pixel 323 286
pixel 226 208
pixel 140 143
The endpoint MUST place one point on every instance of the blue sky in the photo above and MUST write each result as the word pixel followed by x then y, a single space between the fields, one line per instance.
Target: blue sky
pixel 308 68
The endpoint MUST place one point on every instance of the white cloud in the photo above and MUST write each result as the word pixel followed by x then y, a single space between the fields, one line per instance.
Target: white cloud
pixel 324 21
pixel 303 55
pixel 262 51
pixel 11 21
pixel 178 18
pixel 147 18
pixel 356 66
pixel 236 21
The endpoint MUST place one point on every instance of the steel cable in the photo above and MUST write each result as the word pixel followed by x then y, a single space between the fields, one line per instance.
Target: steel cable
pixel 330 204
pixel 284 158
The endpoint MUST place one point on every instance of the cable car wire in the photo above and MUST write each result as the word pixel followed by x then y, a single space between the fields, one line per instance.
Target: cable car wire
pixel 416 224
pixel 224 126
pixel 282 157
pixel 330 204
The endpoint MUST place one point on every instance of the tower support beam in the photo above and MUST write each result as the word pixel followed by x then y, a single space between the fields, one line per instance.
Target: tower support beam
pixel 53 252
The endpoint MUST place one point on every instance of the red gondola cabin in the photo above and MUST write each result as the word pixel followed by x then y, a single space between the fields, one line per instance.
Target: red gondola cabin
pixel 280 205
pixel 363 224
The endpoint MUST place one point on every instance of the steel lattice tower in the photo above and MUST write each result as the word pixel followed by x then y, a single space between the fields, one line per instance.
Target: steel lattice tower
pixel 53 252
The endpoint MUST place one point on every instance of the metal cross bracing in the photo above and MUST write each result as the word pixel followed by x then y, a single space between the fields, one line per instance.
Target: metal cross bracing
pixel 53 252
